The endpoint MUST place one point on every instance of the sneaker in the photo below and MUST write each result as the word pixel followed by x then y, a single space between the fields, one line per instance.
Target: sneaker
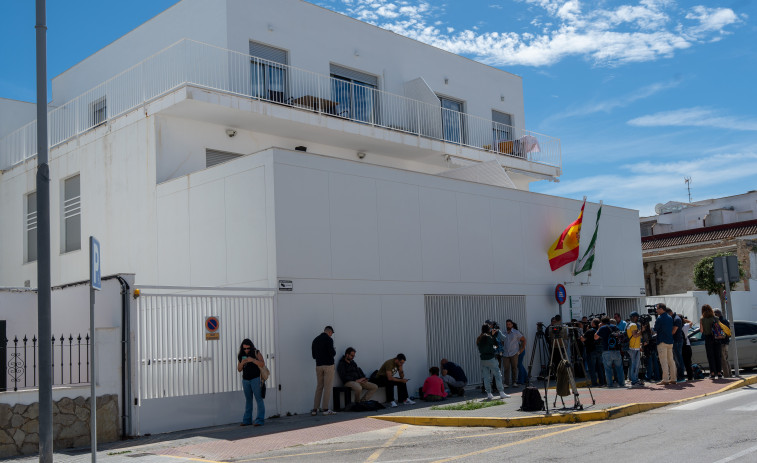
pixel 681 381
pixel 502 395
pixel 662 383
pixel 408 401
pixel 328 412
pixel 393 404
pixel 489 396
pixel 313 412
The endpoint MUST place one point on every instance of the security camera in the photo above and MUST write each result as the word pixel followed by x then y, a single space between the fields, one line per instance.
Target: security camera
pixel 360 154
pixel 231 133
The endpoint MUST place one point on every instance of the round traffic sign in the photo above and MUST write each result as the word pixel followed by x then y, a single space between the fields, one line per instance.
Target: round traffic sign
pixel 561 294
pixel 211 324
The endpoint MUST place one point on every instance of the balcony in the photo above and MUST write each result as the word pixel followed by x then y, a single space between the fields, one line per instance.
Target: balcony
pixel 190 63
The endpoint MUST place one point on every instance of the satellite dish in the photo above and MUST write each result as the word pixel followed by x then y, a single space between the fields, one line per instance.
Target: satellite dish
pixel 658 208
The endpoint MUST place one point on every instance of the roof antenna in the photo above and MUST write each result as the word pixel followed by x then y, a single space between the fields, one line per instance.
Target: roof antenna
pixel 688 186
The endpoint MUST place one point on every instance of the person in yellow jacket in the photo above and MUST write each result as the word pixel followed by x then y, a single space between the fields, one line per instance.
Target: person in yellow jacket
pixel 633 331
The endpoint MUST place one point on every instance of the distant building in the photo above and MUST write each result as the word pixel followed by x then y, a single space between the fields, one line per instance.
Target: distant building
pixel 681 234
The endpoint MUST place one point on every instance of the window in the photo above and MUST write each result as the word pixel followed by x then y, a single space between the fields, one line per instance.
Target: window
pixel 355 94
pixel 98 112
pixel 269 74
pixel 502 127
pixel 745 329
pixel 30 227
pixel 453 127
pixel 71 226
pixel 213 157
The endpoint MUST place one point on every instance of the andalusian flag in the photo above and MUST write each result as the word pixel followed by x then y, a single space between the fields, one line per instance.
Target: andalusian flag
pixel 565 249
pixel 587 261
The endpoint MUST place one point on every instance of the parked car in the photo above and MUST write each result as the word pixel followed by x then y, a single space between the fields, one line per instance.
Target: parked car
pixel 746 337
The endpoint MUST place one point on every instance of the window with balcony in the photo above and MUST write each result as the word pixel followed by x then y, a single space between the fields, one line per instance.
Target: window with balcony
pixel 453 123
pixel 355 94
pixel 70 235
pixel 30 227
pixel 269 74
pixel 502 127
pixel 98 112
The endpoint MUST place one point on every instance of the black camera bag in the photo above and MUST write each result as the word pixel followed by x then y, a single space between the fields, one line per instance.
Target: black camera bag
pixel 532 401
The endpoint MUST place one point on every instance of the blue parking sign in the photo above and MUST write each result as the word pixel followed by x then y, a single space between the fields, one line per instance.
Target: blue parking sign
pixel 94 264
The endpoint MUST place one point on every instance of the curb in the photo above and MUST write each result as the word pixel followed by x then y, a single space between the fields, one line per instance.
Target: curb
pixel 576 417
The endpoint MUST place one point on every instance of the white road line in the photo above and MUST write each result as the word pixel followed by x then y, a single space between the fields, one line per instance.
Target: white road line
pixel 738 455
pixel 716 400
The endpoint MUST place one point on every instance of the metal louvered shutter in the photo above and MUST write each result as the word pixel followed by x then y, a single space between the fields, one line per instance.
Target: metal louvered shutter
pixel 454 322
pixel 268 52
pixel 624 306
pixel 213 157
pixel 356 76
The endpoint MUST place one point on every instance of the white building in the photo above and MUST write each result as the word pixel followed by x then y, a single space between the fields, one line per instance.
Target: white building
pixel 222 144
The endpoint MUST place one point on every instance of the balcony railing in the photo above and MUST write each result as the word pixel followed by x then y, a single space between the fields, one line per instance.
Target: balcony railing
pixel 193 63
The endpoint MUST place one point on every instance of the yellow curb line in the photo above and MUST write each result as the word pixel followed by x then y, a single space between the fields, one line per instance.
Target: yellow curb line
pixel 577 417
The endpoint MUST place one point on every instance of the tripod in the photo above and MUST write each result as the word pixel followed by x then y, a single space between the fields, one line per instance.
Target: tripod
pixel 541 347
pixel 558 347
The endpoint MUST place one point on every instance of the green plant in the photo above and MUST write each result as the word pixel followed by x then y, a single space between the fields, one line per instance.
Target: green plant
pixel 469 405
pixel 704 276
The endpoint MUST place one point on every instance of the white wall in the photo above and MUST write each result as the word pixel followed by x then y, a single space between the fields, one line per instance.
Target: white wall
pixel 15 114
pixel 363 244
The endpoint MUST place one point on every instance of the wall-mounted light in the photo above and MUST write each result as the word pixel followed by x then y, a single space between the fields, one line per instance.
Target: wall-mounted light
pixel 446 81
pixel 502 98
pixel 300 148
pixel 360 154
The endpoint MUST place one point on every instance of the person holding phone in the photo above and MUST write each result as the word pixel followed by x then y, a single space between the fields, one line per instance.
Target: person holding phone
pixel 250 360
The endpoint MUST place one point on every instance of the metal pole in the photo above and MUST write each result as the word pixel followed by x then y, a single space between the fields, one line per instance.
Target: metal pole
pixel 92 369
pixel 43 246
pixel 729 316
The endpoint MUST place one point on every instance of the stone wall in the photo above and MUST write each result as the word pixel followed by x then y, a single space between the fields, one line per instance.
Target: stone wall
pixel 19 424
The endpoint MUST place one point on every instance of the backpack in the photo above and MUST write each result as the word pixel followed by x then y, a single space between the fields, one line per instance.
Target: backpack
pixel 618 340
pixel 717 330
pixel 698 372
pixel 532 401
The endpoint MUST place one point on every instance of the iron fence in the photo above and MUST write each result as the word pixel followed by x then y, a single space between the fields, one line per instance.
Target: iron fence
pixel 70 361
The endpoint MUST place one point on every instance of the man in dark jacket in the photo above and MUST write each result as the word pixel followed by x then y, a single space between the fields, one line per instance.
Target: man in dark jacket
pixel 354 378
pixel 323 354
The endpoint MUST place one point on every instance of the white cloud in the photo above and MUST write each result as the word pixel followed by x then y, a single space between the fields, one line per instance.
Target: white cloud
pixel 609 105
pixel 646 31
pixel 695 117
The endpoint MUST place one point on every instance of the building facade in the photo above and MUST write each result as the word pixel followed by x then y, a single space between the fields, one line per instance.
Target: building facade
pixel 380 183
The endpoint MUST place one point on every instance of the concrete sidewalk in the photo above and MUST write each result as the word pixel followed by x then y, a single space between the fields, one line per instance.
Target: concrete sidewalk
pixel 598 404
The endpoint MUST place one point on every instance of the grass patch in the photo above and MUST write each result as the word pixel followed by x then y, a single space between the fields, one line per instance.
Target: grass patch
pixel 469 405
pixel 119 453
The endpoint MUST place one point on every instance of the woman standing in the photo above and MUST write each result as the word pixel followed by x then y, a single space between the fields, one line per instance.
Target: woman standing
pixel 487 348
pixel 250 362
pixel 711 345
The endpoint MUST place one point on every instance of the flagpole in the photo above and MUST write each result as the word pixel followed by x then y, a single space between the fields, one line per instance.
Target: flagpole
pixel 588 280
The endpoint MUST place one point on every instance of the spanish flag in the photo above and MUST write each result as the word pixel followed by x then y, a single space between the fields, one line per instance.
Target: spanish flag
pixel 565 249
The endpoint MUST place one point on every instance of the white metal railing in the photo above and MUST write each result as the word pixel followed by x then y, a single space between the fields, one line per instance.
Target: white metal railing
pixel 193 63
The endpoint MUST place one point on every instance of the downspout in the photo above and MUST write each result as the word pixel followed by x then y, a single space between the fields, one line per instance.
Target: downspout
pixel 125 359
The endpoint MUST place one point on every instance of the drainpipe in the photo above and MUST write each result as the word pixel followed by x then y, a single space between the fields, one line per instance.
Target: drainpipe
pixel 125 359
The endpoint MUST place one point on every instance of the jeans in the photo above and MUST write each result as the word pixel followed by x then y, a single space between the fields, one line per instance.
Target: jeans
pixel 595 367
pixel 522 372
pixel 252 388
pixel 633 370
pixel 678 358
pixel 489 369
pixel 613 362
pixel 402 395
pixel 653 366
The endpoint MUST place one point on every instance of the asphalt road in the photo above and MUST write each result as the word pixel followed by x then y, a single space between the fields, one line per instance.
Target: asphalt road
pixel 719 429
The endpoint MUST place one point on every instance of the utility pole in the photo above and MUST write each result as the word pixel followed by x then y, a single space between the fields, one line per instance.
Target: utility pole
pixel 43 247
pixel 688 186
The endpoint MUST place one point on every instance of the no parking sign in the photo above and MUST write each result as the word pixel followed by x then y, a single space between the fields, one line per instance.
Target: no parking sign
pixel 211 328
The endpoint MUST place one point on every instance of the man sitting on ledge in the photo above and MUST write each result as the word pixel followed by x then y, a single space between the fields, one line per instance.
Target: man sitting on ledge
pixel 354 378
pixel 384 376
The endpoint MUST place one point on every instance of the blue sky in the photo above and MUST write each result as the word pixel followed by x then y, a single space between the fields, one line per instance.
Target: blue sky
pixel 642 94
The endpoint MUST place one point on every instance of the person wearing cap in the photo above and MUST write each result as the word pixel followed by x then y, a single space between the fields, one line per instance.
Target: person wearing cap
pixel 633 331
pixel 323 353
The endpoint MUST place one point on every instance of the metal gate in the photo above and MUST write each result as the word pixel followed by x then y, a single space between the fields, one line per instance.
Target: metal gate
pixel 454 322
pixel 612 305
pixel 173 356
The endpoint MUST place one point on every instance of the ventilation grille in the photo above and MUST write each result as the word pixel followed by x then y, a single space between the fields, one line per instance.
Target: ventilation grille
pixel 214 157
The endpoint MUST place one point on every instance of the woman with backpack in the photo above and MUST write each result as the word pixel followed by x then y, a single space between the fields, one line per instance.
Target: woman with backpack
pixel 487 347
pixel 711 345
pixel 250 361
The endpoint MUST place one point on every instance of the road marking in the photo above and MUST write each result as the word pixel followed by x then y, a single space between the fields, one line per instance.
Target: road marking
pixel 529 429
pixel 190 458
pixel 738 455
pixel 387 444
pixel 714 400
pixel 524 441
